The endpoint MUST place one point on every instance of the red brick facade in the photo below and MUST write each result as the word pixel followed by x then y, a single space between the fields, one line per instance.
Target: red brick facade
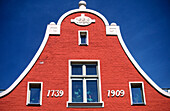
pixel 115 67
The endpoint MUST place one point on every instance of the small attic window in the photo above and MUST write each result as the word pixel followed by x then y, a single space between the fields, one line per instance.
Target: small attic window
pixel 83 37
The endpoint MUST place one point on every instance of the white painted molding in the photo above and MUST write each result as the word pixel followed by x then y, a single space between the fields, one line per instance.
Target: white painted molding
pixel 110 30
pixel 136 65
pixel 28 68
pixel 81 10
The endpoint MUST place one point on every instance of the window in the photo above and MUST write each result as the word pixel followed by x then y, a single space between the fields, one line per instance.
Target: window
pixel 34 93
pixel 137 93
pixel 84 84
pixel 83 37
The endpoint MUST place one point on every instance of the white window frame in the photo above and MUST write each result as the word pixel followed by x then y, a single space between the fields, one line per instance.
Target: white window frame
pixel 28 93
pixel 100 103
pixel 79 37
pixel 143 92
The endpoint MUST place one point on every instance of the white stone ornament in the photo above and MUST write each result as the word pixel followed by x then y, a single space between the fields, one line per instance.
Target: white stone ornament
pixel 82 20
pixel 82 5
pixel 54 29
pixel 112 29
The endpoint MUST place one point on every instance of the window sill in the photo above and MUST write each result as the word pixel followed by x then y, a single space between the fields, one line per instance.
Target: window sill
pixel 138 104
pixel 85 105
pixel 83 44
pixel 33 104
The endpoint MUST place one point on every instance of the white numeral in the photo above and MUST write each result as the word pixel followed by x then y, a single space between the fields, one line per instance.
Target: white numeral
pixel 61 93
pixel 48 93
pixel 122 92
pixel 108 93
pixel 56 93
pixel 52 93
pixel 118 93
pixel 113 93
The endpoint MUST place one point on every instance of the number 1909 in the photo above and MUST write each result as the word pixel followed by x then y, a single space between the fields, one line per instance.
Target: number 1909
pixel 116 93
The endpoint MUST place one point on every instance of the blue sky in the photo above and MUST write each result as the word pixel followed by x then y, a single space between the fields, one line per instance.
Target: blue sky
pixel 145 28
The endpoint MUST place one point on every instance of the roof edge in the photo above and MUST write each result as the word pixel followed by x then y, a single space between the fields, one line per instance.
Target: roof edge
pixel 28 68
pixel 83 10
pixel 52 28
pixel 56 28
pixel 136 65
pixel 110 30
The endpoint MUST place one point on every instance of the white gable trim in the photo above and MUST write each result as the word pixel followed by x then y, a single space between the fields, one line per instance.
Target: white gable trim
pixel 82 10
pixel 110 30
pixel 76 11
pixel 28 68
pixel 136 65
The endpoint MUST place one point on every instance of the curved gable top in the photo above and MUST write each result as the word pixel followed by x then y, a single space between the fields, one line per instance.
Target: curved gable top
pixel 55 28
pixel 113 29
pixel 82 8
pixel 76 11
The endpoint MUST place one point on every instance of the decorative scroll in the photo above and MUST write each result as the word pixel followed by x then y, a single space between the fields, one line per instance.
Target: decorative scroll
pixel 83 20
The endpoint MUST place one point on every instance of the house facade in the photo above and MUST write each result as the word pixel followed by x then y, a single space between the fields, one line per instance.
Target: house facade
pixel 83 64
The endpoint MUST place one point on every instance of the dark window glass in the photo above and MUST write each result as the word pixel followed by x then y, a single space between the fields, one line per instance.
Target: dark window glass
pixel 77 91
pixel 91 70
pixel 137 94
pixel 76 69
pixel 35 95
pixel 92 93
pixel 83 39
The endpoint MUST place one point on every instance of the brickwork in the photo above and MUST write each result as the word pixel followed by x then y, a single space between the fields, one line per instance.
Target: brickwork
pixel 115 67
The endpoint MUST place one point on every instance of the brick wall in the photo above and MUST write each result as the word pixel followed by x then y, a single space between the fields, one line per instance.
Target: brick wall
pixel 116 71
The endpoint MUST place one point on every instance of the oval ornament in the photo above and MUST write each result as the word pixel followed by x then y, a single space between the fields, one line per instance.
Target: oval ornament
pixel 82 20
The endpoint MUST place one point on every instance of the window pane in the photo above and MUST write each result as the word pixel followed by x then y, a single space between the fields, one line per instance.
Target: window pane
pixel 83 39
pixel 76 69
pixel 91 70
pixel 35 95
pixel 137 95
pixel 77 91
pixel 92 93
